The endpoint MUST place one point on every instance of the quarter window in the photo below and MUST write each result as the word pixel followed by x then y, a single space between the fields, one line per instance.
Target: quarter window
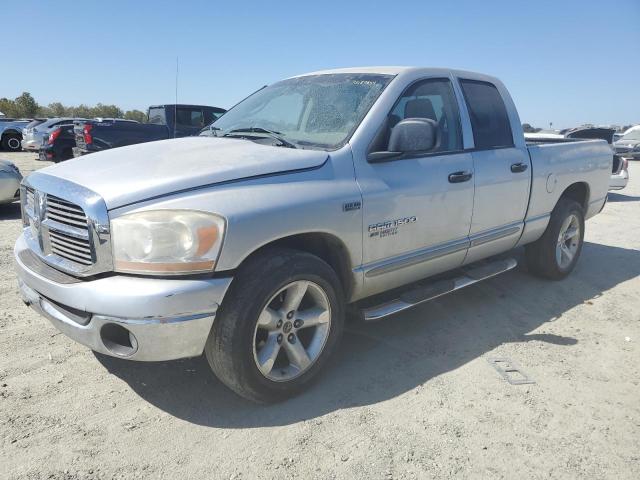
pixel 489 119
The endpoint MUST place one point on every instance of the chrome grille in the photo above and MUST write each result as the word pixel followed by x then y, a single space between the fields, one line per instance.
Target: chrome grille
pixel 65 212
pixel 66 225
pixel 72 248
pixel 29 201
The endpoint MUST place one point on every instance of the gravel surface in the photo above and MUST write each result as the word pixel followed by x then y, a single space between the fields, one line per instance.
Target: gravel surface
pixel 410 397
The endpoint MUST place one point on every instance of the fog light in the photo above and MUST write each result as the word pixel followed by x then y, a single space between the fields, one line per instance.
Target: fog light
pixel 118 340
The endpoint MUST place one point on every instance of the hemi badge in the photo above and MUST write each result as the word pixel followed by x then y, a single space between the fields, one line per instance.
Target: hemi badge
pixel 348 206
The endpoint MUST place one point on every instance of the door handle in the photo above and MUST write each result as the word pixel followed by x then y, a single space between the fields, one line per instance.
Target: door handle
pixel 459 177
pixel 519 167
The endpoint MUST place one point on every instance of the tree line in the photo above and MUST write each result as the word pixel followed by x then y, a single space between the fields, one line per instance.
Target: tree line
pixel 25 106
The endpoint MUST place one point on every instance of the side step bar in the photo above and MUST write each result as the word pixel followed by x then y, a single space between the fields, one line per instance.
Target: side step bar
pixel 426 292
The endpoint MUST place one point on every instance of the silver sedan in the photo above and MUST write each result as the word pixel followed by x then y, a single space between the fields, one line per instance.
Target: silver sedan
pixel 10 179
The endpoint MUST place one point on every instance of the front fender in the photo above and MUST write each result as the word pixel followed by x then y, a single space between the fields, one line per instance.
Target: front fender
pixel 262 210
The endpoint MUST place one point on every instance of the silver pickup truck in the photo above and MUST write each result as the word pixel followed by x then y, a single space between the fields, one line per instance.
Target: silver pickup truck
pixel 335 191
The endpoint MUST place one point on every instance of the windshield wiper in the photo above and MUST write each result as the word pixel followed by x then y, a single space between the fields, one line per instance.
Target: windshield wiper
pixel 271 133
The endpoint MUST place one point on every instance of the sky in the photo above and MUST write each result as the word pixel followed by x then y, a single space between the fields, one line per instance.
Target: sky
pixel 565 62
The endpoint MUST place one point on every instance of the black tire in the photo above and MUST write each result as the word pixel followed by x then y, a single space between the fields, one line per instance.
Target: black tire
pixel 11 142
pixel 230 346
pixel 541 254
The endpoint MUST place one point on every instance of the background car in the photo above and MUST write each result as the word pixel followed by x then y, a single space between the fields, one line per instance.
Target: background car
pixel 59 145
pixel 34 136
pixel 629 145
pixel 10 179
pixel 618 135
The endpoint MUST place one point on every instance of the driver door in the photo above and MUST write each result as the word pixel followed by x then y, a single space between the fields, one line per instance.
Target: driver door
pixel 417 209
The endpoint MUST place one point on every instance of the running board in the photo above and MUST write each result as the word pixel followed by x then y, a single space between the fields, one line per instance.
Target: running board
pixel 427 292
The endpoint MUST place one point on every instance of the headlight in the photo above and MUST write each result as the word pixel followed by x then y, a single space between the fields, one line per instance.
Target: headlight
pixel 637 147
pixel 166 241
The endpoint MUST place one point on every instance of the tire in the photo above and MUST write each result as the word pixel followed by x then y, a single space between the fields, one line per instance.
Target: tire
pixel 546 257
pixel 11 142
pixel 237 342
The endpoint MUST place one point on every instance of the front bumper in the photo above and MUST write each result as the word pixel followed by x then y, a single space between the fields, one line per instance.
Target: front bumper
pixel 619 180
pixel 138 318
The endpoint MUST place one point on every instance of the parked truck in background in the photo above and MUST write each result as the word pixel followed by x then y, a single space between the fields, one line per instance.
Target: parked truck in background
pixel 164 121
pixel 342 188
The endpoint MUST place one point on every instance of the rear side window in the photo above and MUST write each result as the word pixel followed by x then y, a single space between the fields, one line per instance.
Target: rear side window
pixel 188 117
pixel 157 116
pixel 489 119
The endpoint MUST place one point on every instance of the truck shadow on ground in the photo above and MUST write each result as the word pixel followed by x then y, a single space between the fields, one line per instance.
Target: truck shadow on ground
pixel 382 360
pixel 619 197
pixel 10 211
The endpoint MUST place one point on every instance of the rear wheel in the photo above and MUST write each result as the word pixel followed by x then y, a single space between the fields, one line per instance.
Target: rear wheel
pixel 555 254
pixel 11 142
pixel 278 326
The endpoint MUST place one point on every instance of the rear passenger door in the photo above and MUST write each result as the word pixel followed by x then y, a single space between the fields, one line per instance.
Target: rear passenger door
pixel 502 173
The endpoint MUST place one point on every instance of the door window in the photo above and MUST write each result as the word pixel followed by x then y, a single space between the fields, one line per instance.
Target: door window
pixel 435 100
pixel 489 119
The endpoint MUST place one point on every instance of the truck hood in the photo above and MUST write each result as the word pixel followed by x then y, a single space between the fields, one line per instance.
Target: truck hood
pixel 131 174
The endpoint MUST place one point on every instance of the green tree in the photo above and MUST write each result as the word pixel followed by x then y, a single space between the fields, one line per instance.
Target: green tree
pixel 109 111
pixel 82 111
pixel 26 105
pixel 8 107
pixel 58 110
pixel 135 115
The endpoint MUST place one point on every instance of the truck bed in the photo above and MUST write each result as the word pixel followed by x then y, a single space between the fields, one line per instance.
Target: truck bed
pixel 559 164
pixel 107 135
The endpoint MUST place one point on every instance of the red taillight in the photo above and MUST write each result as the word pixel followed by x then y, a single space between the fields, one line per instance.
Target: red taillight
pixel 86 133
pixel 53 135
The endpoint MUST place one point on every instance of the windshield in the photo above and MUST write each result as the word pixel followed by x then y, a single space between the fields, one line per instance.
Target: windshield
pixel 314 111
pixel 633 135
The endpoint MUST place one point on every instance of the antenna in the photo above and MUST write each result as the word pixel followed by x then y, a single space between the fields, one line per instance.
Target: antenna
pixel 175 106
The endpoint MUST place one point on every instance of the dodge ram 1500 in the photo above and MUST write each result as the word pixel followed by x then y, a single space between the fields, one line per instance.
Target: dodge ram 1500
pixel 343 188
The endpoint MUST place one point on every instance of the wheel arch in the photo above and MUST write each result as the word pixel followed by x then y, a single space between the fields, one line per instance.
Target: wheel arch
pixel 12 131
pixel 323 245
pixel 578 191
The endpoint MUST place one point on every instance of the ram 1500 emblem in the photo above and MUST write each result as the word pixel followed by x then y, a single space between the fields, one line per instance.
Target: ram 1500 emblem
pixel 389 227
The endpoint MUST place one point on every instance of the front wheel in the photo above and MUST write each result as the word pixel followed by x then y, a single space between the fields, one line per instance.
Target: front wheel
pixel 278 325
pixel 555 254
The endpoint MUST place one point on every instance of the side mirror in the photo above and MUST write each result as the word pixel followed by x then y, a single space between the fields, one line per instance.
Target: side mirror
pixel 410 135
pixel 414 135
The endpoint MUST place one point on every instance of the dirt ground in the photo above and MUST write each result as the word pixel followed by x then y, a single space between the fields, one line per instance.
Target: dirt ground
pixel 410 397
